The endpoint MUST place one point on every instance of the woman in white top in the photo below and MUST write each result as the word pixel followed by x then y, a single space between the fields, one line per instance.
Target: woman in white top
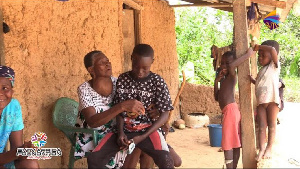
pixel 95 104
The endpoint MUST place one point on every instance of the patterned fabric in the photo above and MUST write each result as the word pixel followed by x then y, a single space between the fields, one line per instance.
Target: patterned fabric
pixel 88 97
pixel 8 73
pixel 11 120
pixel 151 89
pixel 267 84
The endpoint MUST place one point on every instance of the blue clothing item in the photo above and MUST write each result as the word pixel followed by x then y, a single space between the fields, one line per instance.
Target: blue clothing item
pixel 11 120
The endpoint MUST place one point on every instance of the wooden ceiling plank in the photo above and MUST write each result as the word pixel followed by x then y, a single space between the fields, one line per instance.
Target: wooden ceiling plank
pixel 133 4
pixel 202 5
pixel 278 4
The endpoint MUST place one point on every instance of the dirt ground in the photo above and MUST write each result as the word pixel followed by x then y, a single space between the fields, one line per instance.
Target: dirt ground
pixel 194 148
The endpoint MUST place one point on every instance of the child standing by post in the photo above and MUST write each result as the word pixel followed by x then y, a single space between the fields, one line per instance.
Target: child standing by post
pixel 267 95
pixel 227 77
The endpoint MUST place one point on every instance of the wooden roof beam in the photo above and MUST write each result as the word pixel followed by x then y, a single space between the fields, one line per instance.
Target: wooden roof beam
pixel 205 4
pixel 133 4
pixel 277 4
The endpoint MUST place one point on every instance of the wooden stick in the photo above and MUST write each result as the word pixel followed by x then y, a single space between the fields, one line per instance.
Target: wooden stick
pixel 177 97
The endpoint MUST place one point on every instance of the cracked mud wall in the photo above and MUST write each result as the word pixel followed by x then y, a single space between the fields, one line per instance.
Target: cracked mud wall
pixel 200 98
pixel 48 41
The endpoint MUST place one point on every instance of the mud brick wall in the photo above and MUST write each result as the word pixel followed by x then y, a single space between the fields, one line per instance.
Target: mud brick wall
pixel 48 41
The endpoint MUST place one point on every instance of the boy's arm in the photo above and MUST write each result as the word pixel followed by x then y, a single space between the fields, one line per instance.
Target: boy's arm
pixel 239 61
pixel 271 50
pixel 162 119
pixel 218 78
pixel 122 138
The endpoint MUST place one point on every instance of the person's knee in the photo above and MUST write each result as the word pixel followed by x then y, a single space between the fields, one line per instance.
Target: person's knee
pixel 164 161
pixel 26 163
pixel 272 128
pixel 262 127
pixel 177 162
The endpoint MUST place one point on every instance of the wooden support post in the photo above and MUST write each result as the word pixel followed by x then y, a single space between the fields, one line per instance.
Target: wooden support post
pixel 245 97
pixel 1 37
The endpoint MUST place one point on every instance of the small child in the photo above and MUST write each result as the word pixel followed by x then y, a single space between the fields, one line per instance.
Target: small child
pixel 149 88
pixel 227 77
pixel 267 95
pixel 11 124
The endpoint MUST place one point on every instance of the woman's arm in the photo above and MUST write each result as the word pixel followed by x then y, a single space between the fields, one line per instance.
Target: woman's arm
pixel 94 119
pixel 16 140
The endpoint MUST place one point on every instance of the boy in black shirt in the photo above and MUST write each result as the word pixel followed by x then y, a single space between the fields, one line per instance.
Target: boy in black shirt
pixel 149 88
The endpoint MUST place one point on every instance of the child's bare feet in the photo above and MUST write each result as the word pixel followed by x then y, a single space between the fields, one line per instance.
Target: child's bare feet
pixel 268 153
pixel 260 155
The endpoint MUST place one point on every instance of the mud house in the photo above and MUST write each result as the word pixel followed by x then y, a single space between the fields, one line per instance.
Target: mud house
pixel 48 40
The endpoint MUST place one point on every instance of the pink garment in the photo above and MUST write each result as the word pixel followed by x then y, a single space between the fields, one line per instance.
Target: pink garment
pixel 231 137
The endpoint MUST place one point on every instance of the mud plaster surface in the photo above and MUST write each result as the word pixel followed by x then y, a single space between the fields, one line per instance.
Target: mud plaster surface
pixel 48 41
pixel 200 98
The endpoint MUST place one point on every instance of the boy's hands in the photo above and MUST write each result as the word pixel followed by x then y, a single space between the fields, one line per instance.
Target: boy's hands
pixel 133 106
pixel 123 142
pixel 220 75
pixel 138 139
pixel 252 80
pixel 256 47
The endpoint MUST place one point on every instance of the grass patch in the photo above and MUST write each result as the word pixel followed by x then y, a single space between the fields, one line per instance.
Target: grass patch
pixel 291 91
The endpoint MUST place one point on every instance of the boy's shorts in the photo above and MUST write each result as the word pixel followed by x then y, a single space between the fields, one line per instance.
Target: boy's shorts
pixel 231 137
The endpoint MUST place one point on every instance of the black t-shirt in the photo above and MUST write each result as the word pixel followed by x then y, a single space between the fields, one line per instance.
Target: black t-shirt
pixel 149 90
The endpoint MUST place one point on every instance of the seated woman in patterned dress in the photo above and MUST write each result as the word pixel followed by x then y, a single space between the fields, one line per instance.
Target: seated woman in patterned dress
pixel 95 105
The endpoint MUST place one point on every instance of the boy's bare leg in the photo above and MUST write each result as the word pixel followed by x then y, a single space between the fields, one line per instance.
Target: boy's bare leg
pixel 228 158
pixel 272 111
pixel 236 157
pixel 146 161
pixel 262 124
pixel 175 156
pixel 132 159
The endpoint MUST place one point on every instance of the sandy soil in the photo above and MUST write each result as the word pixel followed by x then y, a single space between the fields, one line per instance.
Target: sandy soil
pixel 194 148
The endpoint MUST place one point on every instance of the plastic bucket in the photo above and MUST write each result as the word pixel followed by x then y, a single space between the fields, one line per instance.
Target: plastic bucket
pixel 215 135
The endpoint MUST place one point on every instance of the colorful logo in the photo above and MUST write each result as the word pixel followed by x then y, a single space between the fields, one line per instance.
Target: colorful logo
pixel 272 20
pixel 39 139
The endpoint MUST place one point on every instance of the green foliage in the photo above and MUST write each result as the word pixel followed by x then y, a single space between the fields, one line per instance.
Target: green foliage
pixel 291 91
pixel 288 37
pixel 197 30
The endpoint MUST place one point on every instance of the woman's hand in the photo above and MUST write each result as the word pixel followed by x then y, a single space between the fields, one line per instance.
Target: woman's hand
pixel 123 142
pixel 153 112
pixel 133 106
pixel 27 144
